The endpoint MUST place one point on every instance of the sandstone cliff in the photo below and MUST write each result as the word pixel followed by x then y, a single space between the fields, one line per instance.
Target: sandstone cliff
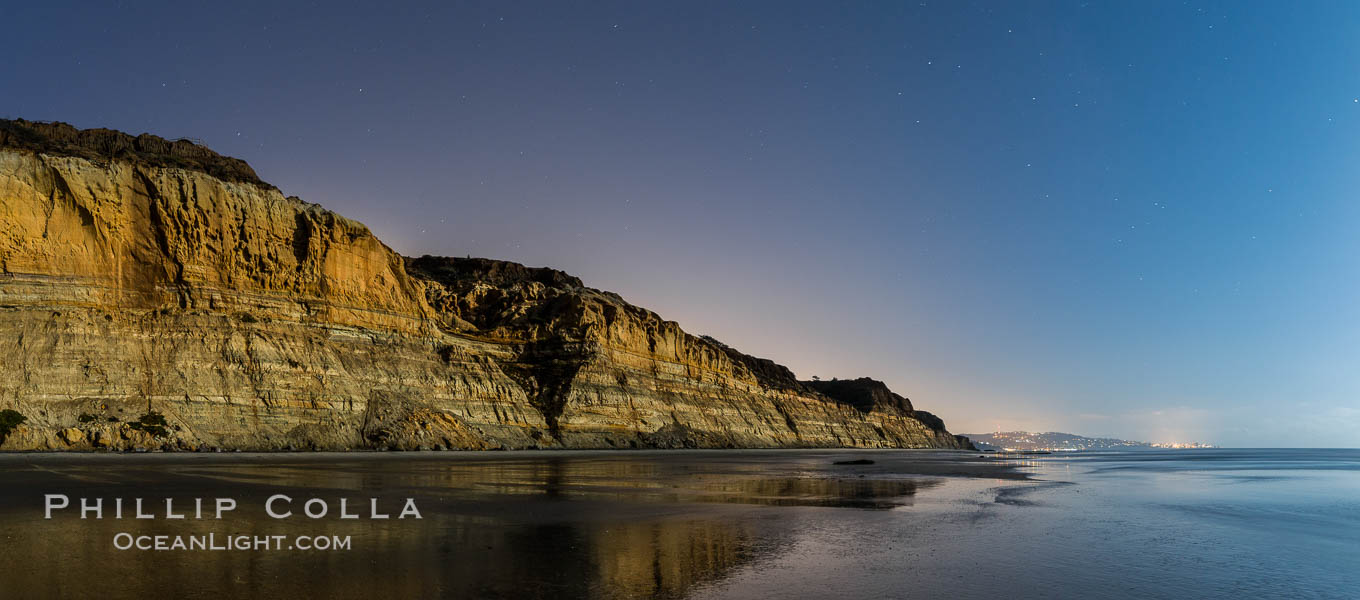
pixel 154 294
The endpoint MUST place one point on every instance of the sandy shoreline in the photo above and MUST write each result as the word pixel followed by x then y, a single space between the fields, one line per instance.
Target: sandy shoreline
pixel 921 462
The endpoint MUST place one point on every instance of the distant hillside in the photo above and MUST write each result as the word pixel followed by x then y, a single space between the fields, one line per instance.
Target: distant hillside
pixel 1052 440
pixel 1058 441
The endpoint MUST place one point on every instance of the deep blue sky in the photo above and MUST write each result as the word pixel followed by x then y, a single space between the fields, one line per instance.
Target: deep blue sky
pixel 1130 218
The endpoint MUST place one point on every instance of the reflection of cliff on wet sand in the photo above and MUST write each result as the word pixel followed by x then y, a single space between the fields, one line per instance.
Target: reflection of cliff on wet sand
pixel 656 482
pixel 604 525
pixel 447 556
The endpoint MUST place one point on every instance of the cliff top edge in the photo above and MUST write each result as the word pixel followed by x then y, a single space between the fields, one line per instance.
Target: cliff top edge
pixel 103 145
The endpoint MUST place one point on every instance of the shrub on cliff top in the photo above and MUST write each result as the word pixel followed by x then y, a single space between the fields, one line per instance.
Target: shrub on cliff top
pixel 9 419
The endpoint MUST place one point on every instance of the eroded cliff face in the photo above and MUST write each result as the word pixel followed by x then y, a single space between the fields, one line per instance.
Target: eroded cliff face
pixel 135 285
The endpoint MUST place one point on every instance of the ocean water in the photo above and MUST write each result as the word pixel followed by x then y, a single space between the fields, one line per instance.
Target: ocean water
pixel 700 524
pixel 1164 524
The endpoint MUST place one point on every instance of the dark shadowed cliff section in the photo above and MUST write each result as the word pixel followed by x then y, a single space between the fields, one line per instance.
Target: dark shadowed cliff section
pixel 154 294
pixel 869 395
pixel 864 394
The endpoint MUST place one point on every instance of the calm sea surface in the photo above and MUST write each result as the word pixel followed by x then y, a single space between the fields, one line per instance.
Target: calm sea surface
pixel 700 524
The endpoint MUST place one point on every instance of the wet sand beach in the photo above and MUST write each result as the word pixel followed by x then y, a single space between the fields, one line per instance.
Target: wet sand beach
pixel 678 524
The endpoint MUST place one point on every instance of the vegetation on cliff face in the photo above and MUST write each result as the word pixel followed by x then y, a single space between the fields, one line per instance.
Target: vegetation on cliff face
pixel 153 423
pixel 9 419
pixel 152 282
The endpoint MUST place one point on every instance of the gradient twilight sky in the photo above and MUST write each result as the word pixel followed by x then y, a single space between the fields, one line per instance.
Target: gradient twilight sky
pixel 1135 219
